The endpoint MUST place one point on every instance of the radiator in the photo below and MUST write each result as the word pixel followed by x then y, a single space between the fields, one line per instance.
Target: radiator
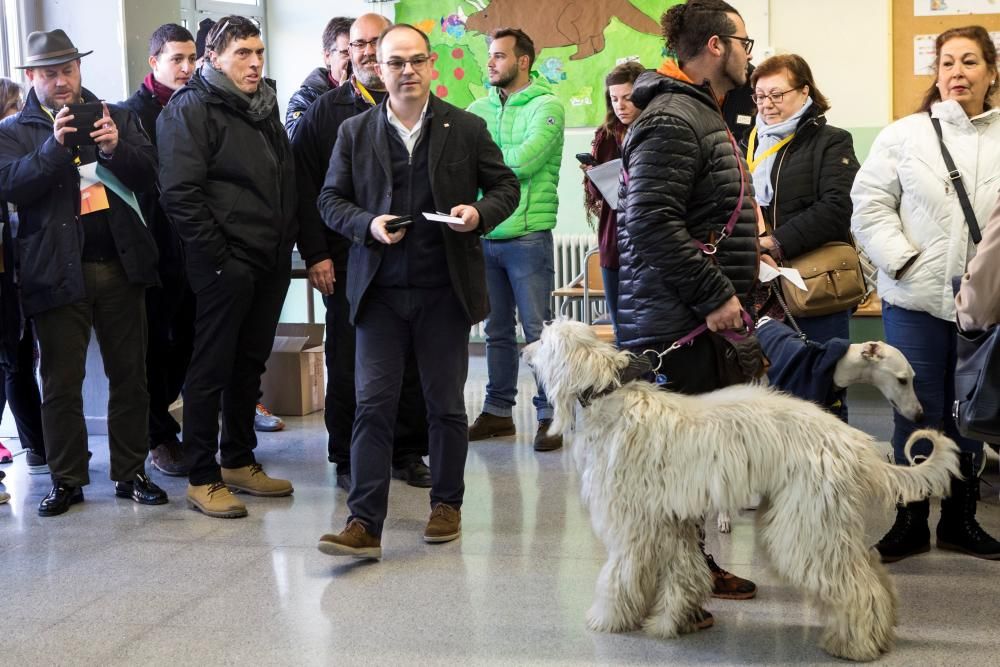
pixel 569 251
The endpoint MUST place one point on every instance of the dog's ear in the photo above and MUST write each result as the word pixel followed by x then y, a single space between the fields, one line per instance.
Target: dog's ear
pixel 872 351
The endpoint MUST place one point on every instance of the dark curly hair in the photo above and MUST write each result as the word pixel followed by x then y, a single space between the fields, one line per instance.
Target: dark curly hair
pixel 688 27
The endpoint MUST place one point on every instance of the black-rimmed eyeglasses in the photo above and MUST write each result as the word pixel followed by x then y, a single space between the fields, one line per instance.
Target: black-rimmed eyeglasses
pixel 747 42
pixel 361 44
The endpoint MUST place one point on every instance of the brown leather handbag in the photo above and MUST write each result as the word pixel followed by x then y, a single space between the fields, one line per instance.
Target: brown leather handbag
pixel 834 281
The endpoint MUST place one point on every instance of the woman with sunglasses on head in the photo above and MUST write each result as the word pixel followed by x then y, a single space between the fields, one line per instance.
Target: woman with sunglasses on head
pixel 909 217
pixel 802 169
pixel 605 148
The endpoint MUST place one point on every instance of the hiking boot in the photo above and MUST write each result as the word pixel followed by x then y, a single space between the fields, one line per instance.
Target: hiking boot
pixel 958 529
pixel 909 534
pixel 491 426
pixel 354 540
pixel 253 480
pixel 4 497
pixel 168 458
pixel 726 585
pixel 263 420
pixel 415 473
pixel 215 500
pixel 37 463
pixel 543 441
pixel 5 455
pixel 444 525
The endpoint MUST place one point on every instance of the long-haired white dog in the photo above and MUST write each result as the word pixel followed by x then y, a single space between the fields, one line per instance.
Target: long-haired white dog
pixel 654 462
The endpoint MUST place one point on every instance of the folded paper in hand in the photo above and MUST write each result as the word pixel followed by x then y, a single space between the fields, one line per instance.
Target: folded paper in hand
pixel 769 273
pixel 605 179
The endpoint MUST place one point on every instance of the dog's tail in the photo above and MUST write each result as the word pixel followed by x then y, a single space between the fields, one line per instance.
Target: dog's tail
pixel 930 478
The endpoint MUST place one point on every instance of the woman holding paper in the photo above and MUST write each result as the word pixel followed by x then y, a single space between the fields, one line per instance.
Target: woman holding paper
pixel 605 148
pixel 802 170
pixel 910 218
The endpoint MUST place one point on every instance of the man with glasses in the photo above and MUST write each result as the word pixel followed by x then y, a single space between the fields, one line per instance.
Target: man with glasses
pixel 228 185
pixel 336 69
pixel 671 281
pixel 415 283
pixel 325 253
pixel 526 120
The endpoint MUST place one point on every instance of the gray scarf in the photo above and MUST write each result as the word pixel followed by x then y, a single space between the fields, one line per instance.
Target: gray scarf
pixel 258 106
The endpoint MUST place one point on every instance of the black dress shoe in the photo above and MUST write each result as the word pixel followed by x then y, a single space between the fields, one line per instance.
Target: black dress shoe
pixel 59 499
pixel 415 473
pixel 142 490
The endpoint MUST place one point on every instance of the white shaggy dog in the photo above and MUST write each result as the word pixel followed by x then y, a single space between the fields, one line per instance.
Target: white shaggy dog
pixel 653 462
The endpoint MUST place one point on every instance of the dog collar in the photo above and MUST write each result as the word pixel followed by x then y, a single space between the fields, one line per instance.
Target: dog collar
pixel 638 367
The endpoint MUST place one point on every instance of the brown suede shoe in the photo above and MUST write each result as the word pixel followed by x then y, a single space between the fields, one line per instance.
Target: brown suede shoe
pixel 168 458
pixel 215 500
pixel 444 525
pixel 543 441
pixel 726 585
pixel 253 480
pixel 491 426
pixel 354 540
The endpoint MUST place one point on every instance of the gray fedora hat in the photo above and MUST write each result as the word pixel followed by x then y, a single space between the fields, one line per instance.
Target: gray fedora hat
pixel 50 48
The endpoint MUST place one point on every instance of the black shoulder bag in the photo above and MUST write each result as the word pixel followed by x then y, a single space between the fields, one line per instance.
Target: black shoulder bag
pixel 977 373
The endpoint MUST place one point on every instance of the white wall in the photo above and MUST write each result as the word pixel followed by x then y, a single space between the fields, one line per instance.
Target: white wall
pixel 848 45
pixel 294 37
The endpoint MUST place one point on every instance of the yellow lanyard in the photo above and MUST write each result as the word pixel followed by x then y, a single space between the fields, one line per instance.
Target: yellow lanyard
pixel 752 162
pixel 365 95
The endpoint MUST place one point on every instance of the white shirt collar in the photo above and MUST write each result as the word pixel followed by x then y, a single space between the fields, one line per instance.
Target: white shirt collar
pixel 408 135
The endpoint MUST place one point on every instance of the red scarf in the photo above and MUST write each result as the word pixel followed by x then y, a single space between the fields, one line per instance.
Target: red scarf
pixel 161 92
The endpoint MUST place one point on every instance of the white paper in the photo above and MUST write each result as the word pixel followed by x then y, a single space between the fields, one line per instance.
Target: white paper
pixel 769 273
pixel 923 54
pixel 605 179
pixel 954 7
pixel 441 217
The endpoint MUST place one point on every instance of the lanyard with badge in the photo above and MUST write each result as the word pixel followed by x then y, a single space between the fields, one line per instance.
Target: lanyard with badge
pixel 752 161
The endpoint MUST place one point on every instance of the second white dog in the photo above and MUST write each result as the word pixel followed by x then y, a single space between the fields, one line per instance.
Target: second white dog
pixel 653 463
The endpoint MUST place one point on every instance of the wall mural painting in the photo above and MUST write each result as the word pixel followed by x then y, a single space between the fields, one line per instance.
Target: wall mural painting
pixel 578 42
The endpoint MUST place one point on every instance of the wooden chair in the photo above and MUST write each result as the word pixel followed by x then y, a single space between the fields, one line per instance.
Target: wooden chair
pixel 586 288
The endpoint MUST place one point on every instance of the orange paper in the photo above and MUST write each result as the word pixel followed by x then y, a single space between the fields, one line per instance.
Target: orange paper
pixel 94 198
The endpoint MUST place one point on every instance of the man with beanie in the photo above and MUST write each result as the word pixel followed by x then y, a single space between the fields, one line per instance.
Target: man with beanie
pixel 169 307
pixel 228 184
pixel 86 259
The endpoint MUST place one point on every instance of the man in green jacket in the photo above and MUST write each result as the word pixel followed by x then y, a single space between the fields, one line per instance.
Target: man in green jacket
pixel 526 121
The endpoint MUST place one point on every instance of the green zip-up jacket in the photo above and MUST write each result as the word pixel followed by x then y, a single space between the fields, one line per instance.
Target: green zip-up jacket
pixel 529 131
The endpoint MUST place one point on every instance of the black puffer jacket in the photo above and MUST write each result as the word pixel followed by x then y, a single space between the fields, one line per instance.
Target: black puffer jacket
pixel 683 183
pixel 315 85
pixel 227 182
pixel 812 178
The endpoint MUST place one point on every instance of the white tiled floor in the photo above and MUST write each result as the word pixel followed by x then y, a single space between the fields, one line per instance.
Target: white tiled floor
pixel 111 583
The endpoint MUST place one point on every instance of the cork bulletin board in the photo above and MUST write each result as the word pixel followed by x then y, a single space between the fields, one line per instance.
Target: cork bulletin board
pixel 907 28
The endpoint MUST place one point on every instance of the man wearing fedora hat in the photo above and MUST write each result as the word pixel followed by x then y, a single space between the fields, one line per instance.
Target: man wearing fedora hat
pixel 86 258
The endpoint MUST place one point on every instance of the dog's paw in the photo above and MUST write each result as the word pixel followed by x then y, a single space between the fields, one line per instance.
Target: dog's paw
pixel 724 523
pixel 600 619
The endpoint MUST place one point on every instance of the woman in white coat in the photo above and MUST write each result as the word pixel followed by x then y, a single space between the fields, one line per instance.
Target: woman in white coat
pixel 908 218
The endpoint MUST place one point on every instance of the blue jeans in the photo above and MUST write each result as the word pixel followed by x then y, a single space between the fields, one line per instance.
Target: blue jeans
pixel 928 343
pixel 824 327
pixel 520 275
pixel 610 279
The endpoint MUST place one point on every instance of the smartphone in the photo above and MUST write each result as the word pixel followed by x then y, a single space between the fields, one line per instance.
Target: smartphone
pixel 84 117
pixel 396 224
pixel 587 159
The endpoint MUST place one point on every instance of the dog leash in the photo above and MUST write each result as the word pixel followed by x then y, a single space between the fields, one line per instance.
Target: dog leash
pixel 699 330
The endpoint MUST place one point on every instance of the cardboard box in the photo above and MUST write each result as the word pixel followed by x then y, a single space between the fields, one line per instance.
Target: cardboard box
pixel 294 382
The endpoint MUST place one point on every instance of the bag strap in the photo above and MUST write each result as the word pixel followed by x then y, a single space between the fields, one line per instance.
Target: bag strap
pixel 956 178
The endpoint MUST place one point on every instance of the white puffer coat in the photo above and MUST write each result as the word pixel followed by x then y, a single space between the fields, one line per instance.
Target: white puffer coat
pixel 905 204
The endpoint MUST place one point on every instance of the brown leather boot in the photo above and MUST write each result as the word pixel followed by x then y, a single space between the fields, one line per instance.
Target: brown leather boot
pixel 545 442
pixel 253 480
pixel 444 525
pixel 354 540
pixel 215 500
pixel 491 426
pixel 726 585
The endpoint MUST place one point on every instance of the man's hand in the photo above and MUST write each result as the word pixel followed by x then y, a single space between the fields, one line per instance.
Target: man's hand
pixel 469 216
pixel 61 127
pixel 106 134
pixel 726 316
pixel 379 233
pixel 321 276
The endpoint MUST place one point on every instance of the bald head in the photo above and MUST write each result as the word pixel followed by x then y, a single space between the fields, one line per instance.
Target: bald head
pixel 367 28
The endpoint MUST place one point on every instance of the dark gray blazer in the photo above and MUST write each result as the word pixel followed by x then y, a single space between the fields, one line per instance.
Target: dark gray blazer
pixel 463 161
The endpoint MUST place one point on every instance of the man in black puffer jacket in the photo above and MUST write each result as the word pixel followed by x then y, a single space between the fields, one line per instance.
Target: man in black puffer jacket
pixel 227 179
pixel 337 61
pixel 683 179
